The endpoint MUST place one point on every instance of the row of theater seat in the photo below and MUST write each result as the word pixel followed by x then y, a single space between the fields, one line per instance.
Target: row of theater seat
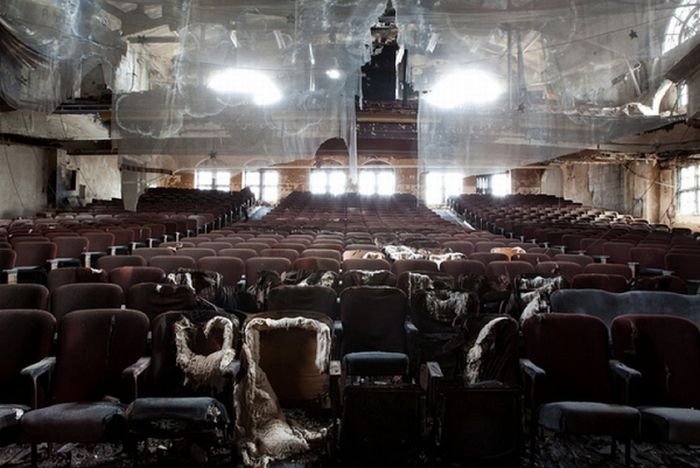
pixel 570 388
pixel 374 320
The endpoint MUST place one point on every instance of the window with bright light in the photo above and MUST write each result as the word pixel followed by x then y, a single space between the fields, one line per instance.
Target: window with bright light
pixel 689 190
pixel 213 180
pixel 439 186
pixel 376 182
pixel 264 184
pixel 331 181
pixel 494 184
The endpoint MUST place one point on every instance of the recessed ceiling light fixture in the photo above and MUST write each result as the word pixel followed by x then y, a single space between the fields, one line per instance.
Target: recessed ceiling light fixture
pixel 466 87
pixel 248 82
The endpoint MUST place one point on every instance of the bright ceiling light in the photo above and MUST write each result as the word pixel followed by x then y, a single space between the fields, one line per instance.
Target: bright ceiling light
pixel 250 82
pixel 464 88
pixel 333 74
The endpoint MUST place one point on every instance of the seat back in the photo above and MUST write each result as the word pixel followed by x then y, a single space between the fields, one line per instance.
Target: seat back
pixel 666 350
pixel 319 299
pixel 254 266
pixel 243 254
pixel 289 254
pixel 293 350
pixel 80 296
pixel 231 268
pixel 458 268
pixel 128 276
pixel 566 269
pixel 196 253
pixel 7 259
pixel 110 262
pixel 609 269
pixel 574 352
pixel 149 252
pixel 373 319
pixel 401 266
pixel 165 377
pixel 316 264
pixel 26 336
pixel 24 296
pixel 70 247
pixel 511 270
pixel 323 253
pixel 99 241
pixel 70 275
pixel 34 254
pixel 153 299
pixel 94 347
pixel 369 264
pixel 610 283
pixel 170 263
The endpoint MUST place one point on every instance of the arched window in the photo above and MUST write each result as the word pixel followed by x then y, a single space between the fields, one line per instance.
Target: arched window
pixel 683 25
pixel 331 181
pixel 376 178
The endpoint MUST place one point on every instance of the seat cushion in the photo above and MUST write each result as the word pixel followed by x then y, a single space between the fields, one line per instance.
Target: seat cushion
pixel 10 415
pixel 676 425
pixel 374 363
pixel 168 416
pixel 74 422
pixel 585 417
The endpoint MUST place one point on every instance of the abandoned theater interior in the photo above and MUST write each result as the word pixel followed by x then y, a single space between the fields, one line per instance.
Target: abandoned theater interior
pixel 350 233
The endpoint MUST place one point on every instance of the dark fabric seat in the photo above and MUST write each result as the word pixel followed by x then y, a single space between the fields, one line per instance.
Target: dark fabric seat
pixel 71 275
pixel 25 338
pixel 578 417
pixel 375 363
pixel 320 299
pixel 177 417
pixel 111 262
pixel 82 402
pixel 154 299
pixel 24 296
pixel 80 296
pixel 666 350
pixel 10 416
pixel 607 306
pixel 674 425
pixel 128 276
pixel 570 382
pixel 70 422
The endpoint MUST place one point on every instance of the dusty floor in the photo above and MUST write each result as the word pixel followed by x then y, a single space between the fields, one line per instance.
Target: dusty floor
pixel 555 451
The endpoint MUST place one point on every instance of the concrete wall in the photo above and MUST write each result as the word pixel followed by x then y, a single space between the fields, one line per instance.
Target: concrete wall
pixel 99 174
pixel 526 181
pixel 23 180
pixel 552 182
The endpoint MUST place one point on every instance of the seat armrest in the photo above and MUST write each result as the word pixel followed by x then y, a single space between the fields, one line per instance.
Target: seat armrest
pixel 133 372
pixel 232 370
pixel 429 372
pixel 412 347
pixel 531 370
pixel 35 371
pixel 11 275
pixel 337 339
pixel 534 375
pixel 624 371
pixel 627 374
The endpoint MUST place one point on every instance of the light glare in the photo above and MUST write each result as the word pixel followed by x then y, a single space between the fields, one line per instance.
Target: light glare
pixel 465 87
pixel 250 82
pixel 333 74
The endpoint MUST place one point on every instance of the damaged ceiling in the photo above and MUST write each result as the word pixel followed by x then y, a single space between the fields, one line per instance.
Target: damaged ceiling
pixel 569 74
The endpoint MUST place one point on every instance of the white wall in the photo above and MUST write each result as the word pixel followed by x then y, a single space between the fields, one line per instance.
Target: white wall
pixel 22 180
pixel 100 175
